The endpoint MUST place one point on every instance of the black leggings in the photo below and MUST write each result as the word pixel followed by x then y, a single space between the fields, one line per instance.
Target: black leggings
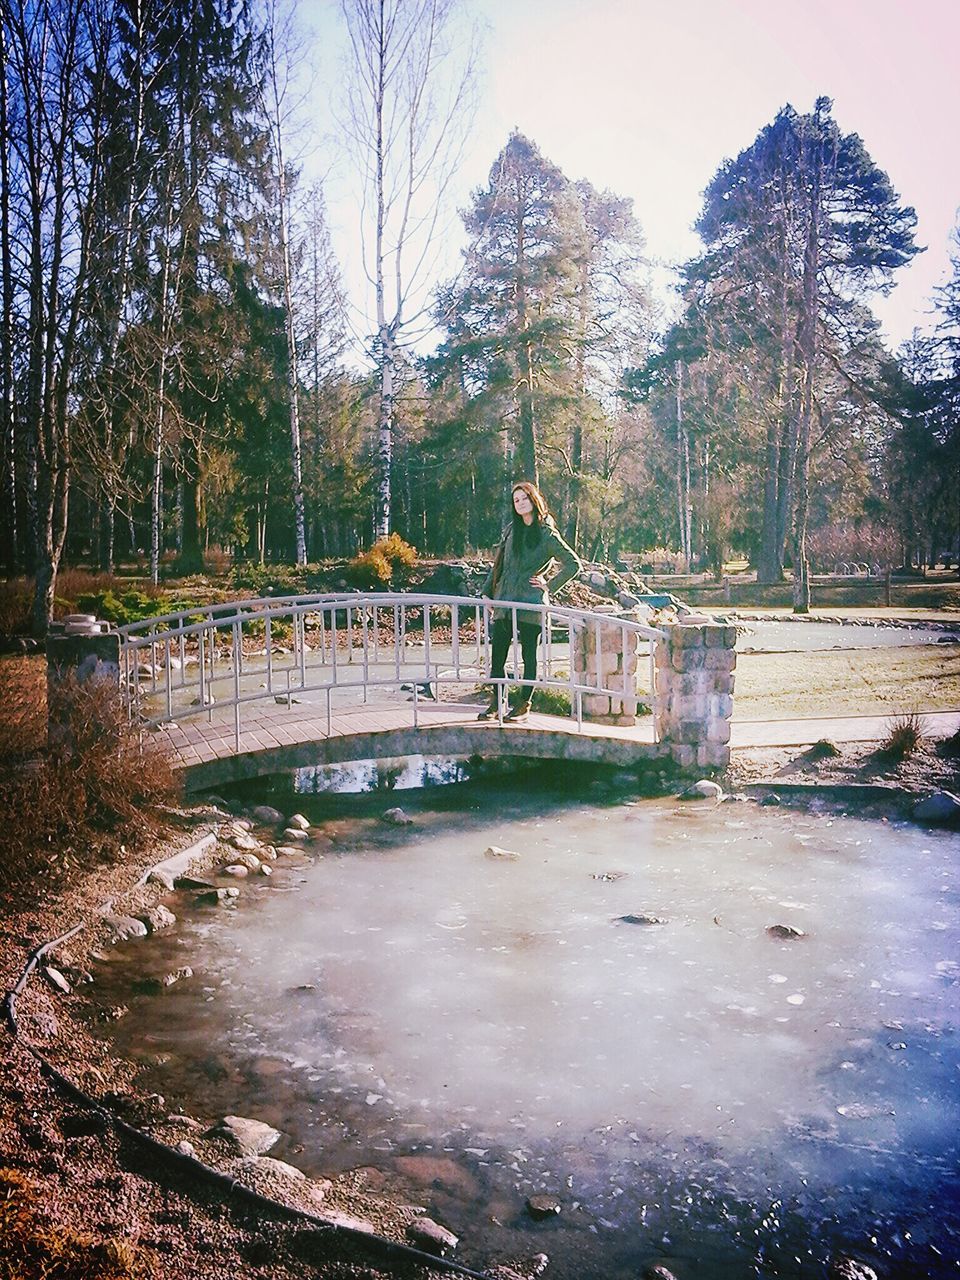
pixel 501 639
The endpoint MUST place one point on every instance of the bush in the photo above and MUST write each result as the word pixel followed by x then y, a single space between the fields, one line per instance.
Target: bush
pixel 396 552
pixel 270 579
pixel 369 571
pixel 70 804
pixel 132 606
pixel 904 735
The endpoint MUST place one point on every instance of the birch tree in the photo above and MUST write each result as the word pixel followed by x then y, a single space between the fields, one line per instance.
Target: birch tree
pixel 56 60
pixel 409 84
pixel 278 72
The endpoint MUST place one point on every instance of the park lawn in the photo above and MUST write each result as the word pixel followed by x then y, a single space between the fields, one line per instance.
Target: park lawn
pixel 778 686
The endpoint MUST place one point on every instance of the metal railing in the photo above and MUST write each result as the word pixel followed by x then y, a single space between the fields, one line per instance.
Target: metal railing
pixel 214 660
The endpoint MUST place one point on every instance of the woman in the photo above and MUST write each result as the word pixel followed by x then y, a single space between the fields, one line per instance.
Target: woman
pixel 530 545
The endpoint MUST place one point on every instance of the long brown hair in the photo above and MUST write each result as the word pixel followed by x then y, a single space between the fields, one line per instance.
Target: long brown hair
pixel 541 512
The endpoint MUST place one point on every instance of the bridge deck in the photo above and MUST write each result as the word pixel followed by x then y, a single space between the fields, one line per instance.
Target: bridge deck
pixel 267 727
pixel 277 737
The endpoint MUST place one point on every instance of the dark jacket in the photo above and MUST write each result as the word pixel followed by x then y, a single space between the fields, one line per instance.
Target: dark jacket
pixel 518 564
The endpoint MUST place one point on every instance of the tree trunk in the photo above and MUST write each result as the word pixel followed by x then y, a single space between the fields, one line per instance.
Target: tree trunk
pixel 684 505
pixel 9 528
pixel 809 352
pixel 190 559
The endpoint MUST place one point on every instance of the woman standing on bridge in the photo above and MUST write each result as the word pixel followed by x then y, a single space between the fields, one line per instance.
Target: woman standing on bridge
pixel 531 544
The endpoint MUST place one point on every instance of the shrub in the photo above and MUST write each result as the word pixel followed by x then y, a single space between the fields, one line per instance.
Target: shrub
pixel 904 735
pixel 132 606
pixel 396 552
pixel 72 803
pixel 269 579
pixel 823 749
pixel 369 571
pixel 16 605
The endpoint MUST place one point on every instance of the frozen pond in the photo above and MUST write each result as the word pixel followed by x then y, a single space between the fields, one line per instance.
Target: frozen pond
pixel 691 1087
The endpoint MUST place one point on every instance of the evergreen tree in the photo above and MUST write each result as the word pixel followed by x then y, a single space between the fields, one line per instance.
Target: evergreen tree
pixel 798 229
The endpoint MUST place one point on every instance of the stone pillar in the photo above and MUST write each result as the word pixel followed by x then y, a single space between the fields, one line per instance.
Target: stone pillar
pixel 604 654
pixel 693 673
pixel 81 653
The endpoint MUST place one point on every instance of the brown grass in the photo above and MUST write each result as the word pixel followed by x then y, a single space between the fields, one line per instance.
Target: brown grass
pixel 904 735
pixel 73 803
pixel 32 1247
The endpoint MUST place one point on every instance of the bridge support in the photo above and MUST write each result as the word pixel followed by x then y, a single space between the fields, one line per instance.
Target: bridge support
pixel 605 653
pixel 693 673
pixel 82 654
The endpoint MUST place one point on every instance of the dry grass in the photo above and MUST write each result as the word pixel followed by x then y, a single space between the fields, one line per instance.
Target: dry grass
pixel 774 686
pixel 904 735
pixel 32 1247
pixel 73 803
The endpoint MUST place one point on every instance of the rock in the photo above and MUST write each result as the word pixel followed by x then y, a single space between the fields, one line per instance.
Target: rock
pixel 642 919
pixel 186 1148
pixel 158 918
pixel 235 869
pixel 397 818
pixel 265 870
pixel 56 980
pixel 850 1269
pixel 208 700
pixel 295 835
pixel 268 853
pixel 268 1165
pixel 597 580
pixel 298 822
pixel 177 975
pixel 702 790
pixel 446 580
pixel 266 814
pixel 245 843
pixel 216 897
pixel 159 876
pixel 250 861
pixel 190 882
pixel 290 851
pixel 336 1218
pixel 521 1268
pixel 627 600
pixel 657 1271
pixel 543 1206
pixel 503 855
pixel 430 1236
pixel 126 927
pixel 786 932
pixel 252 1137
pixel 941 809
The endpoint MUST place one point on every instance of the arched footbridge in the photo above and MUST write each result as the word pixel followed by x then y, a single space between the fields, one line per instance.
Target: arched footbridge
pixel 262 686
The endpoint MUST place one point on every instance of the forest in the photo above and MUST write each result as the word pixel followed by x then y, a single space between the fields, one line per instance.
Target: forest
pixel 181 380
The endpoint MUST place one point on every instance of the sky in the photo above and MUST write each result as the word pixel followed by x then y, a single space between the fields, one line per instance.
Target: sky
pixel 647 98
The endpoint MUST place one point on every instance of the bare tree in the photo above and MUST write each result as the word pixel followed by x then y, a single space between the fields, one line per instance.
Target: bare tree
pixel 407 94
pixel 57 60
pixel 278 72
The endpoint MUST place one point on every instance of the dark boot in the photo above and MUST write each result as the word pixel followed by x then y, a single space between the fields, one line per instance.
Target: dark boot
pixel 493 710
pixel 519 712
